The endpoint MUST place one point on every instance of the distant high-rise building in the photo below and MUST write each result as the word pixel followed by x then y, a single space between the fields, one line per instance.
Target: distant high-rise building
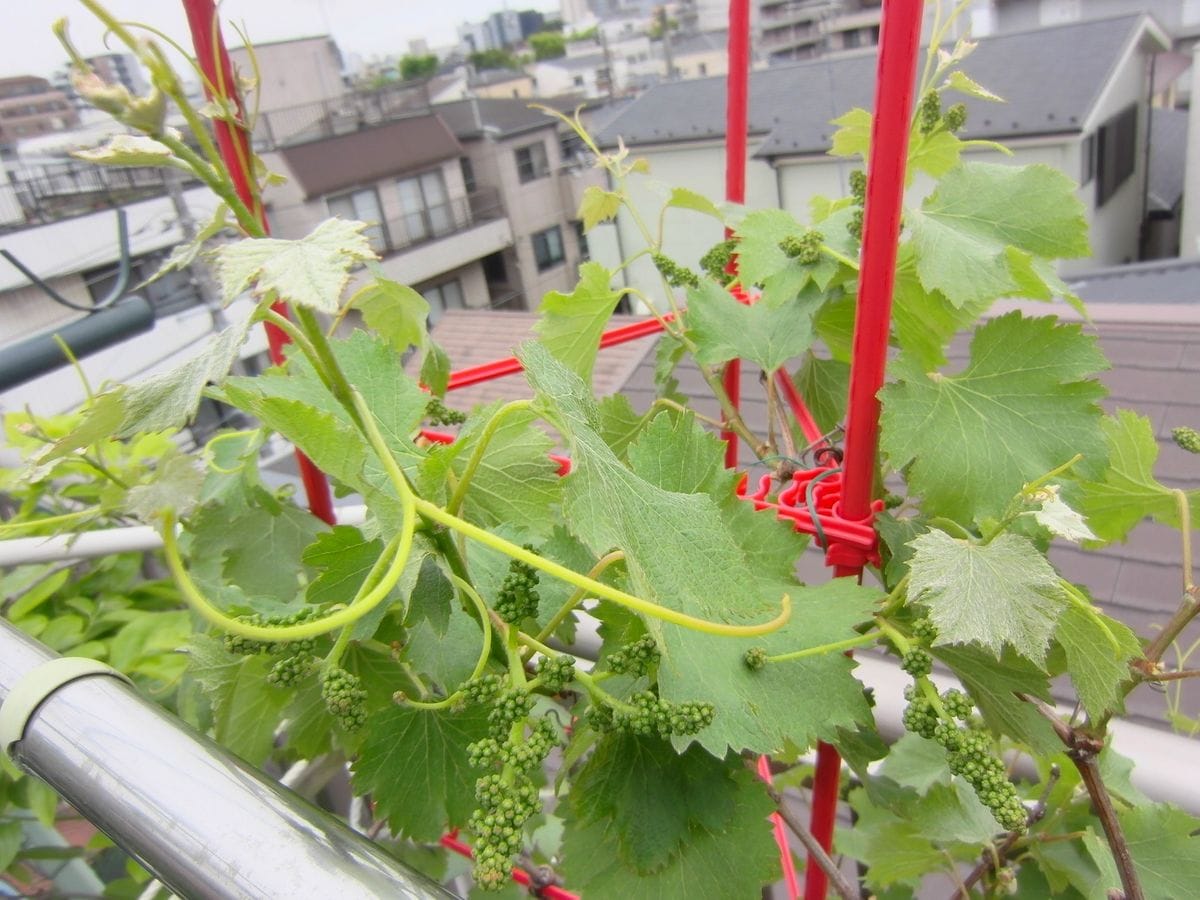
pixel 30 106
pixel 121 68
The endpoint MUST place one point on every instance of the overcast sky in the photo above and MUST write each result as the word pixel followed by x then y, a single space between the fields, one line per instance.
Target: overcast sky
pixel 366 27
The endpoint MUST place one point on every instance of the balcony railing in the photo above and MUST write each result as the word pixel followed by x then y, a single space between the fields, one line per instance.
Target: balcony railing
pixel 433 222
pixel 342 115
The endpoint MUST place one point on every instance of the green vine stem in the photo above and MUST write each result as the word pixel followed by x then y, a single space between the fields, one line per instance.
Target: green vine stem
pixel 366 600
pixel 848 644
pixel 13 527
pixel 485 438
pixel 897 597
pixel 839 257
pixel 485 652
pixel 1189 606
pixel 343 639
pixel 580 594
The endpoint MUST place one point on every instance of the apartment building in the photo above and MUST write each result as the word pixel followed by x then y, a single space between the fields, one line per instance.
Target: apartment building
pixel 30 106
pixel 404 178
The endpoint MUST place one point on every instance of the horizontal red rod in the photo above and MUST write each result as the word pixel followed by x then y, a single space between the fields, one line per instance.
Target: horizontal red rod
pixel 520 876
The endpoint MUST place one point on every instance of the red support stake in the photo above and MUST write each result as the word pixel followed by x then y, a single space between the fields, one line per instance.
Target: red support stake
pixel 234 146
pixel 899 39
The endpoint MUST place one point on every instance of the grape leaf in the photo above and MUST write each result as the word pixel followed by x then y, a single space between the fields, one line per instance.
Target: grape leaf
pixel 728 863
pixel 706 573
pixel 12 836
pixel 516 482
pixel 265 550
pixel 676 454
pixel 916 763
pixel 725 329
pixel 1166 854
pixel 853 137
pixel 1128 490
pixel 432 597
pixel 1019 409
pixel 394 311
pixel 682 198
pixel 648 793
pixel 1097 667
pixel 894 851
pixel 345 557
pixel 959 81
pixel 994 683
pixel 414 764
pixel 935 153
pixel 435 368
pixel 966 232
pixel 127 150
pixel 312 271
pixel 824 384
pixel 924 321
pixel 1059 519
pixel 245 707
pixel 619 422
pixel 1002 592
pixel 571 324
pixel 175 486
pixel 597 205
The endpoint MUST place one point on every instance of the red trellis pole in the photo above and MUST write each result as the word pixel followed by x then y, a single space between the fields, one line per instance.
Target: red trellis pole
pixel 234 145
pixel 899 38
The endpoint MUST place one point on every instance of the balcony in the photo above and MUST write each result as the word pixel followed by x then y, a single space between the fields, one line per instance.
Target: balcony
pixel 425 243
pixel 343 115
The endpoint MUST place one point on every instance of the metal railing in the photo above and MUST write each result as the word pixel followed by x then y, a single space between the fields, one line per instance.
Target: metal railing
pixel 342 115
pixel 435 222
pixel 205 823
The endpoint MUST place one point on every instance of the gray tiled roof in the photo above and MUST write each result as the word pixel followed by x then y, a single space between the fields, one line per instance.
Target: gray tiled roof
pixel 507 116
pixel 1050 78
pixel 1157 281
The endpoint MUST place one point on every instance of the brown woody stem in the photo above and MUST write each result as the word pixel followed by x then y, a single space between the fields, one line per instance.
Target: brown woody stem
pixel 816 852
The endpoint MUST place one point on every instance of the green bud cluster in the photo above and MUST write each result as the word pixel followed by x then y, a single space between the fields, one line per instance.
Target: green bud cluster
pixel 855 225
pixel 517 599
pixel 556 672
pixel 968 753
pixel 483 752
pixel 858 186
pixel 438 413
pixel 917 662
pixel 929 114
pixel 636 658
pixel 289 670
pixel 956 117
pixel 716 260
pixel 805 248
pixel 524 756
pixel 1187 438
pixel 676 275
pixel 755 659
pixel 649 716
pixel 482 689
pixel 508 708
pixel 924 630
pixel 244 646
pixel 505 805
pixel 344 698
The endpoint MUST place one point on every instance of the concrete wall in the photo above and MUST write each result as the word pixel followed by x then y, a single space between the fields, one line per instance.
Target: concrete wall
pixel 293 72
pixel 26 311
pixel 1189 238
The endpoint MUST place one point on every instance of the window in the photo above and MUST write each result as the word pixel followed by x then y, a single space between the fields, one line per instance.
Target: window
pixel 531 162
pixel 578 81
pixel 362 206
pixel 468 174
pixel 442 297
pixel 581 239
pixel 548 248
pixel 1116 153
pixel 426 207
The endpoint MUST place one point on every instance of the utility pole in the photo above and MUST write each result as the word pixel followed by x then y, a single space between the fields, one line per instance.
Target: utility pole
pixel 200 274
pixel 665 31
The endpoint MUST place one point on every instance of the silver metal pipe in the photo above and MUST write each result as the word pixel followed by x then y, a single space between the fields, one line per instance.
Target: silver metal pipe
pixel 205 823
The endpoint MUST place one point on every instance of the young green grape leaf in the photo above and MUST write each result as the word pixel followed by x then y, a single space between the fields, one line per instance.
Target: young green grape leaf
pixel 312 271
pixel 571 324
pixel 726 863
pixel 516 482
pixel 682 198
pixel 897 536
pixel 853 137
pixel 646 792
pixel 1128 491
pixel 963 232
pixel 894 851
pixel 310 730
pixel 924 321
pixel 705 573
pixel 935 154
pixel 265 548
pixel 676 454
pixel 414 763
pixel 1055 516
pixel 725 329
pixel 1002 592
pixel 435 368
pixel 1023 406
pixel 994 683
pixel 824 384
pixel 129 150
pixel 597 205
pixel 619 422
pixel 1098 651
pixel 12 836
pixel 175 486
pixel 1166 851
pixel 432 597
pixel 245 707
pixel 392 310
pixel 183 255
pixel 344 557
pixel 917 763
pixel 959 81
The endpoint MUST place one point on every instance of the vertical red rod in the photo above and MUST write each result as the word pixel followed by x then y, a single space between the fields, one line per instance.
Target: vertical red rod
pixel 899 39
pixel 737 85
pixel 234 145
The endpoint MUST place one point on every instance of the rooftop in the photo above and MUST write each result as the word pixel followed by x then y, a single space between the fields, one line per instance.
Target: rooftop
pixel 791 106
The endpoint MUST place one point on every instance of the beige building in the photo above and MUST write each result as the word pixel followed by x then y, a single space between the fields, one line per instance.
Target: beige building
pixel 293 72
pixel 30 106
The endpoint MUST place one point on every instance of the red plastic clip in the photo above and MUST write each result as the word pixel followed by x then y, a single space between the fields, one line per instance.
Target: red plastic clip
pixel 847 541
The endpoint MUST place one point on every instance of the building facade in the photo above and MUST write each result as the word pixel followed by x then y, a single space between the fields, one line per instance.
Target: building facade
pixel 31 106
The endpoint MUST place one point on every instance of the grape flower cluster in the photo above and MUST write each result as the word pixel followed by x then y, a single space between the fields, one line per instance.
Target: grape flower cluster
pixel 1187 438
pixel 556 672
pixel 345 698
pixel 635 658
pixel 676 275
pixel 804 248
pixel 518 599
pixel 438 413
pixel 244 646
pixel 715 261
pixel 647 715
